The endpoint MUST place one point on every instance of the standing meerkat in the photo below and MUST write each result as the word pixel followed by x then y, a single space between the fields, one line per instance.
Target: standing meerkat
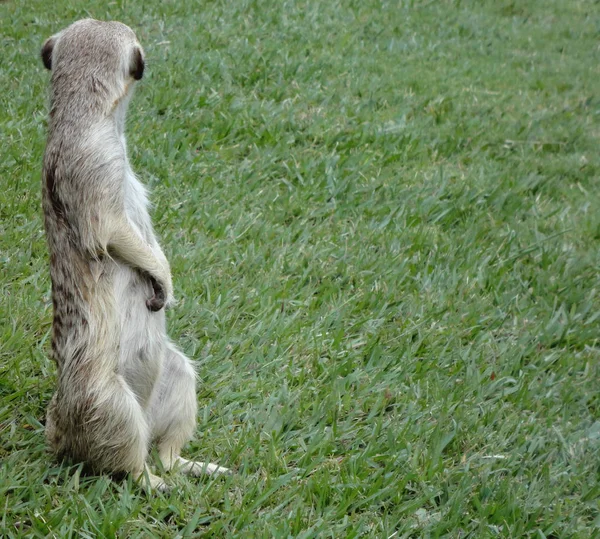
pixel 121 383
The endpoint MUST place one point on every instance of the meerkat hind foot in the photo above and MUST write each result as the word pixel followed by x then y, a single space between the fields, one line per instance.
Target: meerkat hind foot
pixel 150 482
pixel 197 469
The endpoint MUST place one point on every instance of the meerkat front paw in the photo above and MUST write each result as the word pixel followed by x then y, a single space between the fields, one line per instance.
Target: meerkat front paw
pixel 162 284
pixel 162 294
pixel 159 297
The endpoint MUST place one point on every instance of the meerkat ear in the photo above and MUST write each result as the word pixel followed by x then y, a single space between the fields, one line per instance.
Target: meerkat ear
pixel 47 49
pixel 136 70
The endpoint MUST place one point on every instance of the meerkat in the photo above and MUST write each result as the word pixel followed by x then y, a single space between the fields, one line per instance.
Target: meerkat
pixel 121 383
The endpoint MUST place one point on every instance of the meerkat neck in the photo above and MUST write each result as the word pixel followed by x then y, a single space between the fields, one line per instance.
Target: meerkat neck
pixel 76 113
pixel 90 101
pixel 119 112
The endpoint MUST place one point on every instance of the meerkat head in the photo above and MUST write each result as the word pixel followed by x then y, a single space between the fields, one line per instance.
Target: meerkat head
pixel 97 57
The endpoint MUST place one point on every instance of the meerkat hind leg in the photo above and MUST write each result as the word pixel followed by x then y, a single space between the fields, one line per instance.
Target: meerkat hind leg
pixel 129 436
pixel 174 415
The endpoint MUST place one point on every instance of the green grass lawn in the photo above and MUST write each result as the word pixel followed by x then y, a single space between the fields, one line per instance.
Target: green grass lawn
pixel 383 220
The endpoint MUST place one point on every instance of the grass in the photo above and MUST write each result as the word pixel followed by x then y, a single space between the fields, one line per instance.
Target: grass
pixel 383 220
